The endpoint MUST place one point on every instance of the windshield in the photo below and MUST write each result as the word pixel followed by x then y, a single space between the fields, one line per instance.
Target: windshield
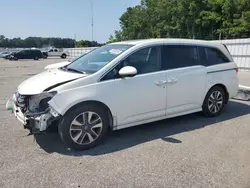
pixel 97 59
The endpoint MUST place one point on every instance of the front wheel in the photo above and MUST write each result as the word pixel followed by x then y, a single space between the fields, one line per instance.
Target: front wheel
pixel 84 127
pixel 214 102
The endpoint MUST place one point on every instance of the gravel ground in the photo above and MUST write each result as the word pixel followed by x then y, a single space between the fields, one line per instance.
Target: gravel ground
pixel 188 151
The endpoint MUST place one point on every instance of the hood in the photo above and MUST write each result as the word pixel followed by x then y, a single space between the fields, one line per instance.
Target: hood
pixel 57 65
pixel 40 82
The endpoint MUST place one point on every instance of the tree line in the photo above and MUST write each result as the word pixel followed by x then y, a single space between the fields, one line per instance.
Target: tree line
pixel 40 42
pixel 195 19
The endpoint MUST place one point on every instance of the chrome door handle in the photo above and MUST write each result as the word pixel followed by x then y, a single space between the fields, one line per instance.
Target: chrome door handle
pixel 160 82
pixel 172 80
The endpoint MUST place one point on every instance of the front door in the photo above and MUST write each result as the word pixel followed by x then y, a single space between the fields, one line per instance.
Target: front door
pixel 186 78
pixel 51 52
pixel 143 96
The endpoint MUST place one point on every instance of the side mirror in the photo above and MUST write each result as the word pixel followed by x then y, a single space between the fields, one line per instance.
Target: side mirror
pixel 128 71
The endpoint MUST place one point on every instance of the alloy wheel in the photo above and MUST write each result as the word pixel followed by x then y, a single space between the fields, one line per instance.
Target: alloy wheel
pixel 215 102
pixel 86 128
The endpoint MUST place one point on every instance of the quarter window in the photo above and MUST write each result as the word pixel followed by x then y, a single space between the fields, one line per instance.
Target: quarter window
pixel 178 56
pixel 211 56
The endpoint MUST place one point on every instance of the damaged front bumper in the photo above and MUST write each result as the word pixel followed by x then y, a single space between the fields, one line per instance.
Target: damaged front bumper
pixel 35 122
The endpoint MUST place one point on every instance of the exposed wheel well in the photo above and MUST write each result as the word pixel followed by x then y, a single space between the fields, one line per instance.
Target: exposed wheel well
pixel 225 89
pixel 98 103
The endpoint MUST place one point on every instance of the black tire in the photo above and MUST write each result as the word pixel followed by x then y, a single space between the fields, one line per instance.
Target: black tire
pixel 64 126
pixel 63 56
pixel 215 104
pixel 45 57
pixel 15 58
pixel 36 58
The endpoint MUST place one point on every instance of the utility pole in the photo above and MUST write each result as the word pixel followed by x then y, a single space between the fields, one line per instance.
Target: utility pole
pixel 92 20
pixel 75 39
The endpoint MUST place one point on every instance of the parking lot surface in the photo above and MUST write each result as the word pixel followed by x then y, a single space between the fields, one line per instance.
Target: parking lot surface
pixel 188 151
pixel 244 78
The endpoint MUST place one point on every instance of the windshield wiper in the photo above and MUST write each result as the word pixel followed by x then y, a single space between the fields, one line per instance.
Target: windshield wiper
pixel 74 70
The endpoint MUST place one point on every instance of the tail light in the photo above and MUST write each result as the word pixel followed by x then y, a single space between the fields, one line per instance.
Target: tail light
pixel 237 69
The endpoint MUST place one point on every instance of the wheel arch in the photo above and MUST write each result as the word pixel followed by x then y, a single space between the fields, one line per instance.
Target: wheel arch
pixel 94 102
pixel 224 88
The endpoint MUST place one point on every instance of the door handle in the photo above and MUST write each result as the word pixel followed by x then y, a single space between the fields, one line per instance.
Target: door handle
pixel 160 82
pixel 172 80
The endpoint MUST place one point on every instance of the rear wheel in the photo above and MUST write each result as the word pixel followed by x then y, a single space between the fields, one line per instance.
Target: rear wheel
pixel 214 102
pixel 15 58
pixel 63 56
pixel 84 127
pixel 36 58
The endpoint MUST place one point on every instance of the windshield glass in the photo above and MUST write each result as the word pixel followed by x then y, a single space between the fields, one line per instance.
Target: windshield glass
pixel 98 58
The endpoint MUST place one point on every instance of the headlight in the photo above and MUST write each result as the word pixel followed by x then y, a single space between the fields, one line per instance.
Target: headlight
pixel 39 103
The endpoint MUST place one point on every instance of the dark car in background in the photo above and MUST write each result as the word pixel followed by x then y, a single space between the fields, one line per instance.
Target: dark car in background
pixel 26 54
pixel 45 54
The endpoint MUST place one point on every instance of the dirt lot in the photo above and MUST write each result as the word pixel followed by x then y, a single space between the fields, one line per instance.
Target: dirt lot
pixel 188 151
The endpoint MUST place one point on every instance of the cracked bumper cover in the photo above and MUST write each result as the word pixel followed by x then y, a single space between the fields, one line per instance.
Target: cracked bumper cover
pixel 34 122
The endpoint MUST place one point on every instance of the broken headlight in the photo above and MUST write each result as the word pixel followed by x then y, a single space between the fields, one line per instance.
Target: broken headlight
pixel 39 103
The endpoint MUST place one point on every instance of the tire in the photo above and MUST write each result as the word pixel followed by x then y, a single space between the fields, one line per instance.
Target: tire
pixel 45 57
pixel 15 58
pixel 214 102
pixel 63 56
pixel 80 136
pixel 36 58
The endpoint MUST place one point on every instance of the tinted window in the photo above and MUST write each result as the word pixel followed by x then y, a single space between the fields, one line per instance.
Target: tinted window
pixel 177 56
pixel 36 52
pixel 33 52
pixel 23 52
pixel 211 56
pixel 55 50
pixel 145 61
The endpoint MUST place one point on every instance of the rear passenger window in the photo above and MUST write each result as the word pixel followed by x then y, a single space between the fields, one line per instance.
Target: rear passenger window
pixel 212 56
pixel 177 56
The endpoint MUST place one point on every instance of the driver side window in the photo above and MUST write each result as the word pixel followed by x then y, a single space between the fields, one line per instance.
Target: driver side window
pixel 145 61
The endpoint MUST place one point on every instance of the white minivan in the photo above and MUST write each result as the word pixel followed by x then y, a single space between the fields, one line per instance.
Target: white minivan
pixel 125 84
